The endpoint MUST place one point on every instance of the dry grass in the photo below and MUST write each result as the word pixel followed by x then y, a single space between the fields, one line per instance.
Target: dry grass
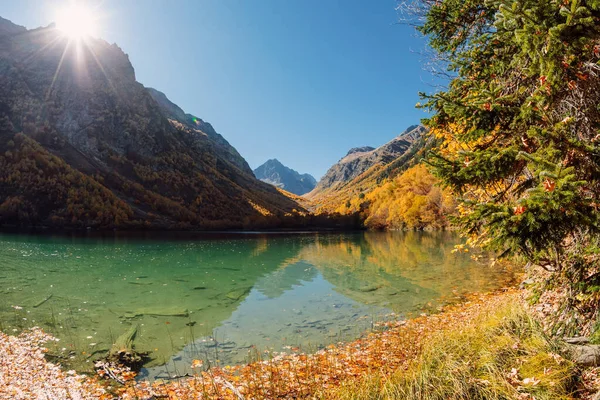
pixel 499 353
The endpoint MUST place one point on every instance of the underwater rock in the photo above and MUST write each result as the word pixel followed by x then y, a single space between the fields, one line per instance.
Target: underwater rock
pixel 237 294
pixel 157 312
pixel 367 289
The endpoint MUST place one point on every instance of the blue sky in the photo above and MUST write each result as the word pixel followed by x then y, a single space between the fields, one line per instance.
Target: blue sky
pixel 301 81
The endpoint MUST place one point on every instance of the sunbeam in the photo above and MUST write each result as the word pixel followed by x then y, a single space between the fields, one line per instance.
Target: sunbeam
pixel 33 54
pixel 90 48
pixel 60 63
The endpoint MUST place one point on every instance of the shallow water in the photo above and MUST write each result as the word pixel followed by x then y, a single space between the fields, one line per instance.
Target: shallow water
pixel 225 298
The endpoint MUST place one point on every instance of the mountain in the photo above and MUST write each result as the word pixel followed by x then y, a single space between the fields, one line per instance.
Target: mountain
pixel 364 149
pixel 277 174
pixel 82 144
pixel 8 28
pixel 360 159
pixel 366 184
pixel 174 113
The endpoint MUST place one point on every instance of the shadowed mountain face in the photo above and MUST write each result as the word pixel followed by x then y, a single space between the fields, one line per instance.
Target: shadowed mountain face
pixel 277 174
pixel 360 159
pixel 82 143
pixel 8 28
pixel 195 124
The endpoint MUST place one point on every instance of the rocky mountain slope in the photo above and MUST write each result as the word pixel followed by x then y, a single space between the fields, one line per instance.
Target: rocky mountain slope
pixel 195 124
pixel 8 28
pixel 277 174
pixel 82 143
pixel 361 159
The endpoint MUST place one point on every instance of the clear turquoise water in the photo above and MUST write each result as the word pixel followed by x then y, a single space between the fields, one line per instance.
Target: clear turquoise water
pixel 225 298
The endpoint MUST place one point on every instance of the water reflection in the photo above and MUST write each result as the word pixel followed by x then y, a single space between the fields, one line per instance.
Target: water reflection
pixel 216 298
pixel 377 267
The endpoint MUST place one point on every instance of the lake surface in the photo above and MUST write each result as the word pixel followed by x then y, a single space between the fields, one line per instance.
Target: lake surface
pixel 226 298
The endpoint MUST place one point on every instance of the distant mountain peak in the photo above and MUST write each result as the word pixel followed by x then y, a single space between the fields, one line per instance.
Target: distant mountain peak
pixel 360 159
pixel 277 174
pixel 363 149
pixel 410 129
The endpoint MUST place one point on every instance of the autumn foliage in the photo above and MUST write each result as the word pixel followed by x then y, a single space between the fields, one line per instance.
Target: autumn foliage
pixel 38 186
pixel 412 200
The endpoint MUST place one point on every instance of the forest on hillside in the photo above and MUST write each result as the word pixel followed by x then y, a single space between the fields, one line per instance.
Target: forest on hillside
pixel 39 189
pixel 411 200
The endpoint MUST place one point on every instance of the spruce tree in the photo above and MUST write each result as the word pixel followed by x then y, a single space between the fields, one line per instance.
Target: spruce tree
pixel 519 125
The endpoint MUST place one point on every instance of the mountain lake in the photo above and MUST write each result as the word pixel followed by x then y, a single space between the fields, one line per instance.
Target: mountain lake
pixel 226 298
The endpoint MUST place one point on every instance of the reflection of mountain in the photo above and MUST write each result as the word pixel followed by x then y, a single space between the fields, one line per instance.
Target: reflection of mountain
pixel 285 278
pixel 163 286
pixel 347 264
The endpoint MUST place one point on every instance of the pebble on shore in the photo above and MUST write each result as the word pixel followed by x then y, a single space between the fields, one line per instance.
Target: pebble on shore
pixel 25 374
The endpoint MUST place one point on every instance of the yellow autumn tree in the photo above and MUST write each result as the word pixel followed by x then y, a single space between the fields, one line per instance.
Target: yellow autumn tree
pixel 412 200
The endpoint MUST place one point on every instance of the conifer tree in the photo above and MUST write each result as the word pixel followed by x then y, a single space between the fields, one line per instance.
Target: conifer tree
pixel 519 125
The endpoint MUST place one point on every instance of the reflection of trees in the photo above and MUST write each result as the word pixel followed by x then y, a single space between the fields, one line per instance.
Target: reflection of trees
pixel 347 263
pixel 399 269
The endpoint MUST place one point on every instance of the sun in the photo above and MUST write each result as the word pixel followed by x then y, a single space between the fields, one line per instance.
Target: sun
pixel 76 21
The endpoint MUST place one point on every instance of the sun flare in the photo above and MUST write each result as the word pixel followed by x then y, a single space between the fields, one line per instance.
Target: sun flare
pixel 76 21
